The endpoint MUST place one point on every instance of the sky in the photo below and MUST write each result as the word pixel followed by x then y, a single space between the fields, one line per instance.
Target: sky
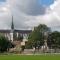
pixel 46 2
pixel 30 13
pixel 2 0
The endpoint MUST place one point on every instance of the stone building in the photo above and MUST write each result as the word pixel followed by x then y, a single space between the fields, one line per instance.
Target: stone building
pixel 13 33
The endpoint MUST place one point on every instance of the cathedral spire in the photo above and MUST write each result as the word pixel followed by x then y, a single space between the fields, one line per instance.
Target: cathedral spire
pixel 12 24
pixel 12 30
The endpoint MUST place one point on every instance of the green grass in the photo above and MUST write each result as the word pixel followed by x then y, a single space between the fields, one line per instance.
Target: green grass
pixel 30 57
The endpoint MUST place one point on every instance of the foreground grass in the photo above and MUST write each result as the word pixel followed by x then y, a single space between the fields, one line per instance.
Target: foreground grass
pixel 30 57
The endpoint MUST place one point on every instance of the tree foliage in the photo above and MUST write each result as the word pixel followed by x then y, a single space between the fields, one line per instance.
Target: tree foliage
pixel 36 38
pixel 4 43
pixel 54 39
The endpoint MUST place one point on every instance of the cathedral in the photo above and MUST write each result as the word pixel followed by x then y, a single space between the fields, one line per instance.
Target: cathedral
pixel 13 33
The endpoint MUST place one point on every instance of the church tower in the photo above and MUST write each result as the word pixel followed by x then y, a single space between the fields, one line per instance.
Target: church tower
pixel 12 24
pixel 12 30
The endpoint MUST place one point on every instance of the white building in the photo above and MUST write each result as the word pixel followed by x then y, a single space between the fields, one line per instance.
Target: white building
pixel 13 33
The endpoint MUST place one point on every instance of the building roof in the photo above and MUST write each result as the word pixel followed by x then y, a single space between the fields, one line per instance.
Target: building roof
pixel 5 31
pixel 23 31
pixel 19 31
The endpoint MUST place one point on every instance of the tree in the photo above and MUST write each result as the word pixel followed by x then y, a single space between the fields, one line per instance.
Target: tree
pixel 54 40
pixel 36 38
pixel 4 43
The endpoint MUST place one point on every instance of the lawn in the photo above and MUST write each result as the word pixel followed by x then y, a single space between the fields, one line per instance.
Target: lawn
pixel 30 57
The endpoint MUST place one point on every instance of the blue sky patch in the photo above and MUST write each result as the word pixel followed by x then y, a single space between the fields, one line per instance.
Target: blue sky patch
pixel 2 0
pixel 45 2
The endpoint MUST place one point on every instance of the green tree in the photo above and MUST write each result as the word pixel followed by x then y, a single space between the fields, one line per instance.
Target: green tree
pixel 54 40
pixel 36 38
pixel 5 44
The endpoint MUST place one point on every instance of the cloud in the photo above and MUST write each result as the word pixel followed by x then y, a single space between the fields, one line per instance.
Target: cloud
pixel 31 7
pixel 28 13
pixel 25 10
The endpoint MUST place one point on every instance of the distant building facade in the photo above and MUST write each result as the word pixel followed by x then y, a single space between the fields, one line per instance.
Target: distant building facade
pixel 13 33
